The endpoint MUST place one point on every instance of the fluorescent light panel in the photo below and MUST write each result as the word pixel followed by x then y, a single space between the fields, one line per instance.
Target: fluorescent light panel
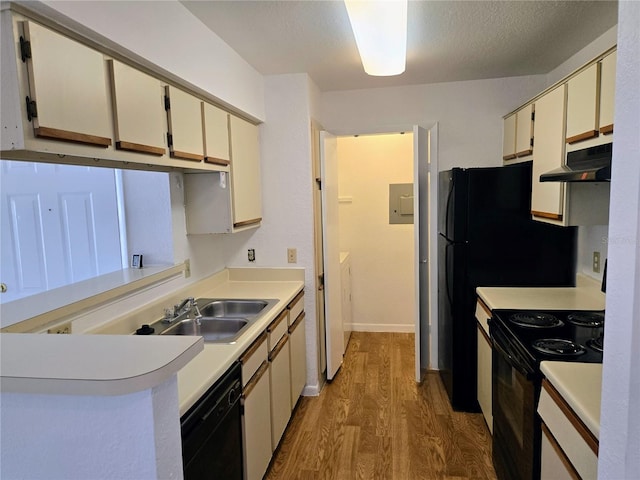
pixel 380 28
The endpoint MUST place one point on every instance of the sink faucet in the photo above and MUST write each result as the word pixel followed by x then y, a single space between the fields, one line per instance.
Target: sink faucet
pixel 187 306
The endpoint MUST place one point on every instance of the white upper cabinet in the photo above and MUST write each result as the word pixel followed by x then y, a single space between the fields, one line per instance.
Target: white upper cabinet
pixel 607 93
pixel 67 88
pixel 216 135
pixel 524 131
pixel 509 138
pixel 583 105
pixel 245 173
pixel 184 115
pixel 547 198
pixel 138 110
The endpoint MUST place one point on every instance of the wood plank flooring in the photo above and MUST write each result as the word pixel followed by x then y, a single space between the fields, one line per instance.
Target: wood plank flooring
pixel 374 422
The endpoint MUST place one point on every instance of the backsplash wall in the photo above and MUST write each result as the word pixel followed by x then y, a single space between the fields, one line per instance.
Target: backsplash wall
pixel 591 239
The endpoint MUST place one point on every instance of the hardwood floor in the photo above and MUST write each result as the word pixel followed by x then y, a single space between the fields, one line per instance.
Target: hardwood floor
pixel 374 422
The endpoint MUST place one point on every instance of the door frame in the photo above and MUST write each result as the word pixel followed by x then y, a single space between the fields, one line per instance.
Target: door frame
pixel 426 346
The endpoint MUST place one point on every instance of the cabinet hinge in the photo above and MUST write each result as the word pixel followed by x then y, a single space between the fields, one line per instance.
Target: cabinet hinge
pixel 531 142
pixel 25 49
pixel 169 140
pixel 533 116
pixel 319 182
pixel 167 103
pixel 32 109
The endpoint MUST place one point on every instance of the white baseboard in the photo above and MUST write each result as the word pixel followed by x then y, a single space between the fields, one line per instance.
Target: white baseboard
pixel 311 390
pixel 383 327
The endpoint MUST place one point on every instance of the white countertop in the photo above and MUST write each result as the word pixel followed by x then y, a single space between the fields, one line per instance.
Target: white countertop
pixel 580 384
pixel 91 364
pixel 195 378
pixel 585 296
pixel 116 362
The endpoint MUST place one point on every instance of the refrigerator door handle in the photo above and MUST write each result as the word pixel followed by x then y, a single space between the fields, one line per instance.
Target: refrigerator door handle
pixel 446 273
pixel 446 214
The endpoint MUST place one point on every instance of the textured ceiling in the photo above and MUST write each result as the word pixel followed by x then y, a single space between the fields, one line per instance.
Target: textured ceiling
pixel 447 40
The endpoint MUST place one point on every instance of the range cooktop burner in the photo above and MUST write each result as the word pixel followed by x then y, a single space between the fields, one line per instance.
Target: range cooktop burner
pixel 558 347
pixel 535 320
pixel 586 319
pixel 597 343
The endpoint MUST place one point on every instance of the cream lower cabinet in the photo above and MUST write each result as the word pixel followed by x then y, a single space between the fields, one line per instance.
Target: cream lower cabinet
pixel 280 381
pixel 484 366
pixel 257 424
pixel 298 353
pixel 554 463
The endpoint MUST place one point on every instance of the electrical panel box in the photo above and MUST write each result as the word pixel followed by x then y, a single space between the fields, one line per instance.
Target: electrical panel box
pixel 400 203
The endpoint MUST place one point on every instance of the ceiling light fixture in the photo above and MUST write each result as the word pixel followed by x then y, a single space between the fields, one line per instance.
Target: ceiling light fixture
pixel 380 28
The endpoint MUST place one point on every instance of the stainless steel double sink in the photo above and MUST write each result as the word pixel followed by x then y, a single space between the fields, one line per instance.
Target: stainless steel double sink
pixel 220 320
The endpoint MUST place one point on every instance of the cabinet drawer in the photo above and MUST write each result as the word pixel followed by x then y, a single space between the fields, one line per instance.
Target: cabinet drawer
pixel 253 357
pixel 573 437
pixel 296 307
pixel 277 329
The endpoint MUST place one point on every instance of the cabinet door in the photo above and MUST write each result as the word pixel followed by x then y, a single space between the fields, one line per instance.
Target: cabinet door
pixel 216 135
pixel 484 377
pixel 67 89
pixel 298 353
pixel 184 117
pixel 509 138
pixel 138 110
pixel 583 105
pixel 607 93
pixel 524 131
pixel 554 463
pixel 280 380
pixel 245 173
pixel 547 199
pixel 257 424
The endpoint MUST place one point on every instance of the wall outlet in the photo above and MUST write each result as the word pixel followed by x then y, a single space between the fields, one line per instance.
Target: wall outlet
pixel 596 262
pixel 63 328
pixel 292 255
pixel 251 255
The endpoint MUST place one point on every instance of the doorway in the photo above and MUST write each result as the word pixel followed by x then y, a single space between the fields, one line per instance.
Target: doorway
pixel 418 280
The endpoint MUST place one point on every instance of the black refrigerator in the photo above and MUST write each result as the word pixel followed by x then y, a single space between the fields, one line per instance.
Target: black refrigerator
pixel 486 237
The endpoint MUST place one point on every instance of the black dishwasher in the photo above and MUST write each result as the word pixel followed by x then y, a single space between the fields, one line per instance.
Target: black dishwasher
pixel 212 432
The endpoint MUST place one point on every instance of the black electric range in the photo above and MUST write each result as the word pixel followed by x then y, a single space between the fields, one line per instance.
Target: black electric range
pixel 521 340
pixel 568 336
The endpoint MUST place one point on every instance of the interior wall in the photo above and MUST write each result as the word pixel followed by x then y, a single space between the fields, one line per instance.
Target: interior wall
pixel 287 197
pixel 469 114
pixel 620 417
pixel 382 254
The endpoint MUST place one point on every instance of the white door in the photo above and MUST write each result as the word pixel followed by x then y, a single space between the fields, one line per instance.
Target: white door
pixel 59 226
pixel 331 250
pixel 424 158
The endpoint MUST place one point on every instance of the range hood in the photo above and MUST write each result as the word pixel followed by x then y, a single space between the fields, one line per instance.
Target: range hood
pixel 588 165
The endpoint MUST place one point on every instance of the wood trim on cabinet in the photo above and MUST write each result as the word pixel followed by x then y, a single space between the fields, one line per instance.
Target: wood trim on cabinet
pixel 278 348
pixel 277 321
pixel 187 156
pixel 524 153
pixel 245 223
pixel 255 379
pixel 552 216
pixel 257 343
pixel 484 306
pixel 607 129
pixel 582 136
pixel 563 456
pixel 217 161
pixel 295 299
pixel 581 428
pixel 138 147
pixel 511 156
pixel 297 322
pixel 484 334
pixel 75 137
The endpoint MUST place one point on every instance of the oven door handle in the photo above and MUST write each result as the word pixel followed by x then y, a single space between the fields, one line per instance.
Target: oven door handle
pixel 514 362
